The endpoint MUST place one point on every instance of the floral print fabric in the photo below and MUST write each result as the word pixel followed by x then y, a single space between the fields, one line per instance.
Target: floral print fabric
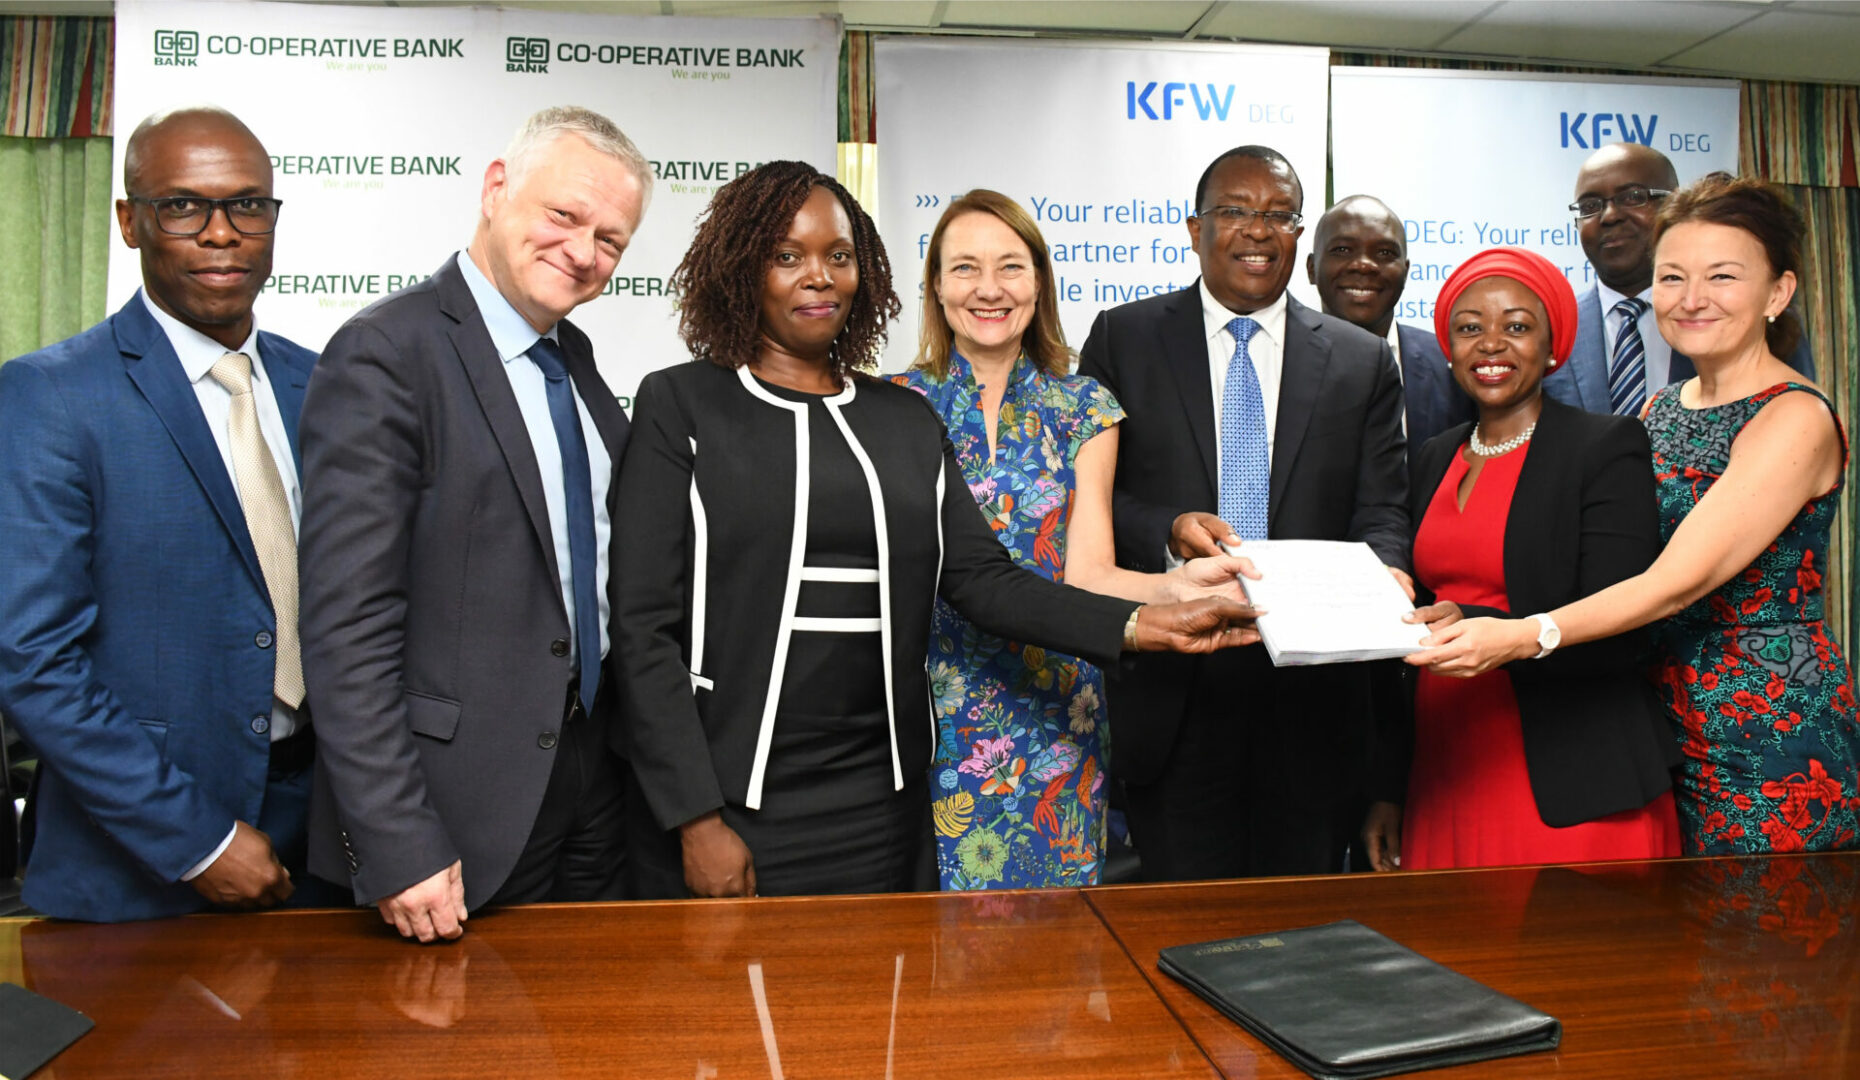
pixel 1762 696
pixel 1018 778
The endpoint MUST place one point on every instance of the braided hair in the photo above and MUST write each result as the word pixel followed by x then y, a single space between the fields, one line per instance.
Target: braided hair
pixel 719 283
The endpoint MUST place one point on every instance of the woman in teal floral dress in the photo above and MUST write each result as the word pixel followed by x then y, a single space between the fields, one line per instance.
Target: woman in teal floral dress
pixel 1018 780
pixel 1749 462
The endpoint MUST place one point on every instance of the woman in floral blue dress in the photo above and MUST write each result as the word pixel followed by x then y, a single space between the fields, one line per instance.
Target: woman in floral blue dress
pixel 1018 780
pixel 1749 462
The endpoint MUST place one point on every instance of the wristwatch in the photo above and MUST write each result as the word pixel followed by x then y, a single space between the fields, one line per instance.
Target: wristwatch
pixel 1549 636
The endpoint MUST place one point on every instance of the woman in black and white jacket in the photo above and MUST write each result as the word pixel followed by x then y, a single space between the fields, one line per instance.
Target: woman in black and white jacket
pixel 784 526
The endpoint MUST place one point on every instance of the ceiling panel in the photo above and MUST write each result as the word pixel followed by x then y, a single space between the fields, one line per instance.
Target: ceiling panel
pixel 1784 44
pixel 1634 34
pixel 1352 24
pixel 1171 17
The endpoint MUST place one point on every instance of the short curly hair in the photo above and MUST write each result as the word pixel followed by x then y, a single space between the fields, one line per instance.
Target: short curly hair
pixel 719 282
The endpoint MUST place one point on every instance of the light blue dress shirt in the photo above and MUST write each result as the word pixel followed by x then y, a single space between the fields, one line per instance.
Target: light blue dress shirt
pixel 512 337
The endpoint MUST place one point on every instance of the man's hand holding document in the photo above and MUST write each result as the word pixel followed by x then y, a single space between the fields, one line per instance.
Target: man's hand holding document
pixel 1327 602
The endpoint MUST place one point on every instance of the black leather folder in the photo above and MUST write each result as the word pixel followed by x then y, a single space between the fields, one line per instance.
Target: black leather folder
pixel 33 1030
pixel 1342 1002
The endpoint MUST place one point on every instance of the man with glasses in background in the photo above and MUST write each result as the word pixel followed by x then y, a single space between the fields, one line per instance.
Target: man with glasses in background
pixel 148 611
pixel 1248 416
pixel 1620 359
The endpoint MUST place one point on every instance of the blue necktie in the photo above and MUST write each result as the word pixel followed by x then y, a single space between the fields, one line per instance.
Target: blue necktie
pixel 578 494
pixel 1627 372
pixel 1245 474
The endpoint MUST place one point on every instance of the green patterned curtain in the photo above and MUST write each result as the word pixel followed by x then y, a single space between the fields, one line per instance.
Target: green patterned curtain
pixel 57 110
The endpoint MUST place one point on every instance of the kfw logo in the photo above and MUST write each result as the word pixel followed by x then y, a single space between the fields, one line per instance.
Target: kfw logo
pixel 1603 128
pixel 1168 97
pixel 177 48
pixel 528 54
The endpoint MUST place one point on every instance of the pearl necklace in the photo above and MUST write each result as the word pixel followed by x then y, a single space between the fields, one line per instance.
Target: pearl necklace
pixel 1496 449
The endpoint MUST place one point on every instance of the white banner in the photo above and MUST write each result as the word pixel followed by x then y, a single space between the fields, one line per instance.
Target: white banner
pixel 1474 159
pixel 380 122
pixel 1103 143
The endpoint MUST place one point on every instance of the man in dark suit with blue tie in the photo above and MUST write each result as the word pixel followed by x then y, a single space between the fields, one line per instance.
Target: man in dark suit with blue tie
pixel 1242 402
pixel 148 614
pixel 1359 263
pixel 1620 358
pixel 459 453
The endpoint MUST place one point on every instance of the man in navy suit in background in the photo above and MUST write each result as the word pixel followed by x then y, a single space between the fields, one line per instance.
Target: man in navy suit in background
pixel 1359 263
pixel 1620 359
pixel 148 638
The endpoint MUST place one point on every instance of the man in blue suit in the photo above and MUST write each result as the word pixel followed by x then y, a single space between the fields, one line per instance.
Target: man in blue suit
pixel 1620 358
pixel 1359 263
pixel 148 637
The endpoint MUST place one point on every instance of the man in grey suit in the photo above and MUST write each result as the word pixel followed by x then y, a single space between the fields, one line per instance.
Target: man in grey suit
pixel 459 450
pixel 1359 263
pixel 1620 358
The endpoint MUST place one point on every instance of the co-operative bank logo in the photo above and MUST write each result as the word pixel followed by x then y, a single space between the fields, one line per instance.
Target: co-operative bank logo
pixel 527 54
pixel 177 48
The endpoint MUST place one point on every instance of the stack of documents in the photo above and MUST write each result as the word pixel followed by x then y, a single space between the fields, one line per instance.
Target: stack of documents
pixel 1327 602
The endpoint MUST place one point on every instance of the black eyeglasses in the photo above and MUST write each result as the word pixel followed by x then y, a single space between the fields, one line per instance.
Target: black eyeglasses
pixel 1235 218
pixel 1626 199
pixel 188 215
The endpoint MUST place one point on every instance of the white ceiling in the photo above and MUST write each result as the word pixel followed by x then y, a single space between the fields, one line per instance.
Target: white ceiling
pixel 1806 40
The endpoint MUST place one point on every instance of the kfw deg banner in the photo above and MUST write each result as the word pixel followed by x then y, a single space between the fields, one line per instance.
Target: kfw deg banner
pixel 1102 143
pixel 380 122
pixel 1471 160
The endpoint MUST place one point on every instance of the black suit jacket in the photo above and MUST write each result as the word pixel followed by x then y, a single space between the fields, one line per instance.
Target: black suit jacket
pixel 709 580
pixel 435 638
pixel 1584 516
pixel 1434 401
pixel 1338 473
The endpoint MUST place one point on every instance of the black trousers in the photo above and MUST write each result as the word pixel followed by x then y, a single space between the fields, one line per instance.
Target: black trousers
pixel 577 848
pixel 1237 797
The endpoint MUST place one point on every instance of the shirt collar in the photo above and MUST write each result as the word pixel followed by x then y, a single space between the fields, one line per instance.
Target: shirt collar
pixel 511 333
pixel 1395 343
pixel 196 351
pixel 1215 316
pixel 1610 298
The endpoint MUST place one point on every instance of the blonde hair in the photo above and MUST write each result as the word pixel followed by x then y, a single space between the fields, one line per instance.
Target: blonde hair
pixel 1043 341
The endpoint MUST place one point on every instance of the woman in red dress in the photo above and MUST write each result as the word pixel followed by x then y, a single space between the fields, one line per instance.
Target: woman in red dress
pixel 1564 758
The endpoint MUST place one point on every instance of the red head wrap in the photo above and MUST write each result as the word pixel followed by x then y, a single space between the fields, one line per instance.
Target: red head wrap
pixel 1527 268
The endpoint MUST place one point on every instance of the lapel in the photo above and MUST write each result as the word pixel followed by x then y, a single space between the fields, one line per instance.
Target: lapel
pixel 492 386
pixel 1301 376
pixel 1423 396
pixel 1185 348
pixel 1588 362
pixel 609 419
pixel 1526 526
pixel 287 385
pixel 151 364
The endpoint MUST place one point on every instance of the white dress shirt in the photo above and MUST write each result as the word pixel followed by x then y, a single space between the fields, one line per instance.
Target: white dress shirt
pixel 512 337
pixel 1659 355
pixel 1266 349
pixel 1401 376
pixel 198 353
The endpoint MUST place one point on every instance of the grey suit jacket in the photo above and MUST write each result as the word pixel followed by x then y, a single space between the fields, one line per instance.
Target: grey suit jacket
pixel 435 639
pixel 1583 382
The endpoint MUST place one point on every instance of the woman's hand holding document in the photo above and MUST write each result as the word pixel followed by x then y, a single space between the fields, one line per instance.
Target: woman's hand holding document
pixel 1328 602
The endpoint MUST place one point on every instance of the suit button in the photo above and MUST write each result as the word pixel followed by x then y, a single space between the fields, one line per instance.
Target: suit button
pixel 261 724
pixel 262 639
pixel 559 646
pixel 546 740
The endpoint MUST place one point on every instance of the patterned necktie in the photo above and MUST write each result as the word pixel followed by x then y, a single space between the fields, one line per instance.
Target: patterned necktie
pixel 1627 372
pixel 1244 471
pixel 578 494
pixel 267 518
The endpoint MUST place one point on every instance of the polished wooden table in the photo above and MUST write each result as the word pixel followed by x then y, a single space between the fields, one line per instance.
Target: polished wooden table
pixel 1687 968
